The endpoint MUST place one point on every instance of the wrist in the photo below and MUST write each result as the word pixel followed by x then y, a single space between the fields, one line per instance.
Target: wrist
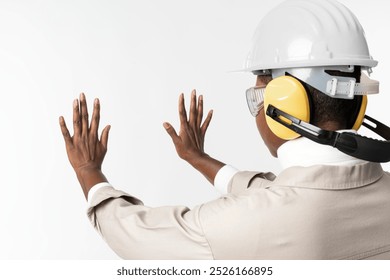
pixel 86 169
pixel 195 158
pixel 206 165
pixel 89 176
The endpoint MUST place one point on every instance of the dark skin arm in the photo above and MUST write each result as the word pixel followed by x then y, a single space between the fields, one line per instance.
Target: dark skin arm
pixel 189 143
pixel 85 150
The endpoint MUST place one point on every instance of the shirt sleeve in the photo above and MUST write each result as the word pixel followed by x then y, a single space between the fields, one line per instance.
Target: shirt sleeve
pixel 94 189
pixel 135 231
pixel 245 179
pixel 223 178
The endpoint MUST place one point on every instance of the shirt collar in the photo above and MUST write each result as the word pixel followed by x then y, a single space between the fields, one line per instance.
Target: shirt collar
pixel 305 152
pixel 328 177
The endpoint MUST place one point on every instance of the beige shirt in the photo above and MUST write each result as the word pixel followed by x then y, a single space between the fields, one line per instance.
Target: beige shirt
pixel 317 212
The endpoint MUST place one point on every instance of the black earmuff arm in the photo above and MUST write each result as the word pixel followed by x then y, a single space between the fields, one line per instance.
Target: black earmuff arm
pixel 349 143
pixel 379 127
pixel 305 129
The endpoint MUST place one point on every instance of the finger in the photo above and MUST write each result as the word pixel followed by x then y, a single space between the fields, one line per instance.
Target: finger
pixel 172 132
pixel 84 115
pixel 93 131
pixel 76 119
pixel 182 111
pixel 200 111
pixel 95 118
pixel 206 123
pixel 104 136
pixel 193 111
pixel 65 131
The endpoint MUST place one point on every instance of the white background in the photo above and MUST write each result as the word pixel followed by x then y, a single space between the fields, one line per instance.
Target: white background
pixel 136 56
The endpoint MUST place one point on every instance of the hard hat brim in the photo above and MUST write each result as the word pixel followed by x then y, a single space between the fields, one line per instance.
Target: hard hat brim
pixel 315 63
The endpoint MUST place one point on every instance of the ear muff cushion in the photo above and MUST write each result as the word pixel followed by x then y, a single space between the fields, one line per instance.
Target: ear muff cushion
pixel 287 94
pixel 361 114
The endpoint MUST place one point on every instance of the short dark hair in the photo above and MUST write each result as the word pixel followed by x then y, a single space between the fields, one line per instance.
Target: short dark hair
pixel 325 108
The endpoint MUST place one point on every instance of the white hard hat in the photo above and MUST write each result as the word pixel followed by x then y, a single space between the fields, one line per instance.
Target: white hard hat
pixel 308 34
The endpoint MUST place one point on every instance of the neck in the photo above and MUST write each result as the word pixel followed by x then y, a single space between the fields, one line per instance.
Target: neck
pixel 330 125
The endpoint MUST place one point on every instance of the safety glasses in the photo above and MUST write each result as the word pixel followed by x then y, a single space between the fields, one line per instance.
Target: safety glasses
pixel 255 99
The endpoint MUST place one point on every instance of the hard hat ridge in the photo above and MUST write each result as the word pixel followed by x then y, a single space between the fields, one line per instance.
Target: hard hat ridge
pixel 307 33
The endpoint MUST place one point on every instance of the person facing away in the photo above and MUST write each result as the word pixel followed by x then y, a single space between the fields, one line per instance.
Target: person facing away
pixel 330 201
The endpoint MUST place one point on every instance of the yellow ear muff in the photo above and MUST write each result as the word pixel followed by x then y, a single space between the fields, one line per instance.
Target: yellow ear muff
pixel 362 112
pixel 287 94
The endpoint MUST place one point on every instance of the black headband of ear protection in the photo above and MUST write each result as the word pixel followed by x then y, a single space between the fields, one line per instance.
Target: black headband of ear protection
pixel 349 143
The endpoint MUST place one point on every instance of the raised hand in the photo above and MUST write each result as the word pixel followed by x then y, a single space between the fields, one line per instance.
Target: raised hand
pixel 189 143
pixel 85 150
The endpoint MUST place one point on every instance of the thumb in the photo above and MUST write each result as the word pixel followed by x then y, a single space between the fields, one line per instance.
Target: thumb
pixel 171 131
